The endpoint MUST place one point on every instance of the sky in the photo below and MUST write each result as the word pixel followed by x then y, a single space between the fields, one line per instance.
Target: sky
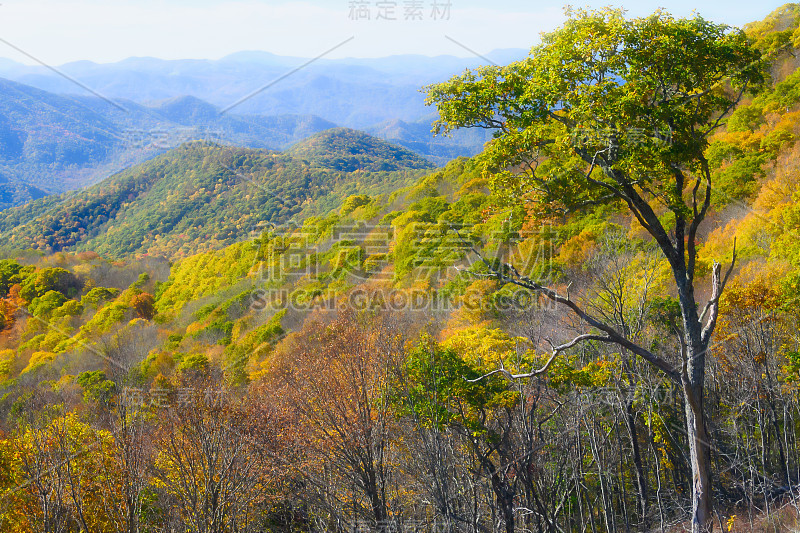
pixel 57 31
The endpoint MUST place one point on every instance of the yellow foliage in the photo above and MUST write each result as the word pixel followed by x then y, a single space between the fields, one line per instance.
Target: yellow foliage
pixel 483 346
pixel 88 476
pixel 7 358
pixel 38 359
pixel 194 327
pixel 575 251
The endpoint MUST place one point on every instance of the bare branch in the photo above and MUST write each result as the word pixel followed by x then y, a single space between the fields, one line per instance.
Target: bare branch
pixel 612 334
pixel 556 352
pixel 717 286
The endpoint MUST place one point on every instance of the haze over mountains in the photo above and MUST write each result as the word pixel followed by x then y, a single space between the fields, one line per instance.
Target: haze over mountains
pixel 356 93
pixel 57 143
pixel 56 136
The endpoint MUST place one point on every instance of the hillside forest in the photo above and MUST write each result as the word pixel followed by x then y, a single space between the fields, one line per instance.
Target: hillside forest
pixel 590 326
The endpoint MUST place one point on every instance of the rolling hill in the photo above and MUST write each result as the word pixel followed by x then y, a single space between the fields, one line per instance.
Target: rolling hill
pixel 43 134
pixel 196 197
pixel 350 150
pixel 14 193
pixel 58 143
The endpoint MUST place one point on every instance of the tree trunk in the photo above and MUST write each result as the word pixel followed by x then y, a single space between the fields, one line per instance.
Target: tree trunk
pixel 372 491
pixel 507 508
pixel 699 456
pixel 641 476
pixel 504 495
pixel 696 342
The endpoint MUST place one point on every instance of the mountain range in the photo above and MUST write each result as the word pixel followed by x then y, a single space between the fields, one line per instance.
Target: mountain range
pixel 357 93
pixel 55 136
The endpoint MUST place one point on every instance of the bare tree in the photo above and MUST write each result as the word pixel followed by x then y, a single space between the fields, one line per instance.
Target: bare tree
pixel 209 466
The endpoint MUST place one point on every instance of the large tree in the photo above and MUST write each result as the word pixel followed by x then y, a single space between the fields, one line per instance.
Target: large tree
pixel 608 109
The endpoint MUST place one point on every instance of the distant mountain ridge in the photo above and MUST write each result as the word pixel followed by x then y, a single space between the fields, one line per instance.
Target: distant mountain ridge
pixel 55 136
pixel 417 137
pixel 352 92
pixel 56 143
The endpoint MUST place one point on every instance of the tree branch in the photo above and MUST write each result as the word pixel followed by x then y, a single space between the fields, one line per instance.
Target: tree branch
pixel 556 351
pixel 712 307
pixel 610 332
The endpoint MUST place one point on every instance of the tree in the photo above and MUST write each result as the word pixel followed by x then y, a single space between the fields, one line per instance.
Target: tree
pixel 443 391
pixel 126 463
pixel 50 279
pixel 9 275
pixel 614 111
pixel 57 473
pixel 344 413
pixel 45 304
pixel 96 387
pixel 144 304
pixel 210 466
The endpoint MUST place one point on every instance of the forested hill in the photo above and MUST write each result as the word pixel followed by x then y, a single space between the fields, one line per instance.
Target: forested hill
pixel 351 150
pixel 44 138
pixel 196 197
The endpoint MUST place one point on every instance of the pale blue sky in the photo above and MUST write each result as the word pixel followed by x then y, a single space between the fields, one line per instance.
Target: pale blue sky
pixel 57 31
